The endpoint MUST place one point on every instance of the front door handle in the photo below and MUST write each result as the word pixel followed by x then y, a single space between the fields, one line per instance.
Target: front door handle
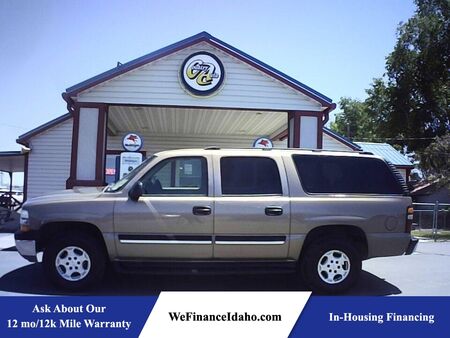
pixel 201 210
pixel 274 211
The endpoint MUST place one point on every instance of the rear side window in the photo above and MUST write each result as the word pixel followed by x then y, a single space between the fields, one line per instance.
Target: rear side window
pixel 346 175
pixel 249 176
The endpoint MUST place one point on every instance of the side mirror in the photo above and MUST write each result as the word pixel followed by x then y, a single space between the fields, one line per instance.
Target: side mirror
pixel 136 191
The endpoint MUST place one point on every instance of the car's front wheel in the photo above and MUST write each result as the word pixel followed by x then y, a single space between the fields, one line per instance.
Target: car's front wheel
pixel 330 265
pixel 74 261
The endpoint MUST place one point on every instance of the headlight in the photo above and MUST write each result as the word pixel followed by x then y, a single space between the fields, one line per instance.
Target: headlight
pixel 24 217
pixel 24 221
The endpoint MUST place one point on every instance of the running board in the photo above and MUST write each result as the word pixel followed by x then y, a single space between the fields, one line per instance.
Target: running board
pixel 204 267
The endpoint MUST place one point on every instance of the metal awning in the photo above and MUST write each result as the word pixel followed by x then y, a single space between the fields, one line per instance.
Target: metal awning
pixel 12 161
pixel 388 152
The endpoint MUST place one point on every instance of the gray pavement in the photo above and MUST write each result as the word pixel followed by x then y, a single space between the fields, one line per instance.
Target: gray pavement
pixel 12 225
pixel 425 273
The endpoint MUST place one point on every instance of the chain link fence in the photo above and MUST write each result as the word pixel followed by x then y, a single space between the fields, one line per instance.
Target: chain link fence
pixel 432 218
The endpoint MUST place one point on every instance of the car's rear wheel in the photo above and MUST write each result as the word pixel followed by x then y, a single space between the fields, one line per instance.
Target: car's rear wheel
pixel 330 265
pixel 74 261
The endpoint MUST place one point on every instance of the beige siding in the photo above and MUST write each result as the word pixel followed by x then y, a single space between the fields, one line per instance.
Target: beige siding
pixel 330 143
pixel 49 160
pixel 157 83
pixel 280 144
pixel 156 143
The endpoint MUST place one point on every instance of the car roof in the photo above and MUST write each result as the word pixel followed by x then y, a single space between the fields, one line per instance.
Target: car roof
pixel 214 150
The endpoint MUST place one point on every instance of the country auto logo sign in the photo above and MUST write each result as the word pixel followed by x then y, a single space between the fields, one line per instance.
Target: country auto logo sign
pixel 202 73
pixel 132 142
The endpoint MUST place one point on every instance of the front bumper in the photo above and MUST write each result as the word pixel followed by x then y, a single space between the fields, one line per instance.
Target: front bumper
pixel 26 244
pixel 411 246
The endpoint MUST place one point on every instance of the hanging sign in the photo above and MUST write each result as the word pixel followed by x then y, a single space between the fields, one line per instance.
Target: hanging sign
pixel 202 73
pixel 129 161
pixel 263 142
pixel 132 142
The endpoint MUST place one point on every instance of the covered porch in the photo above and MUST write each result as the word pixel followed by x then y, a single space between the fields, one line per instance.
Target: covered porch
pixel 11 197
pixel 164 128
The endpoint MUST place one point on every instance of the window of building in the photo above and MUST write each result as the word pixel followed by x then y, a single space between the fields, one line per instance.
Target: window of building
pixel 112 165
pixel 177 176
pixel 250 176
pixel 345 175
pixel 111 168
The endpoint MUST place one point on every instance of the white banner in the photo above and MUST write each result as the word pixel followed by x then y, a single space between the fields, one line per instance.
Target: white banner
pixel 225 314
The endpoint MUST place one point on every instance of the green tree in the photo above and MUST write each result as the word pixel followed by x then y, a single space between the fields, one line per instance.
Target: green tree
pixel 378 107
pixel 353 121
pixel 409 105
pixel 435 160
pixel 417 84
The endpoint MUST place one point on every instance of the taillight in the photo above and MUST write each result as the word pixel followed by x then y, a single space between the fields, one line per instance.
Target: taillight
pixel 409 219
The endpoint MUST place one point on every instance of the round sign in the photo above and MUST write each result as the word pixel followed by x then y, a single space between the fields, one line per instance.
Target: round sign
pixel 132 142
pixel 263 142
pixel 202 73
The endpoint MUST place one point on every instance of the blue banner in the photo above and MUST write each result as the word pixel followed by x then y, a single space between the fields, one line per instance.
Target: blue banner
pixel 374 317
pixel 74 316
pixel 126 316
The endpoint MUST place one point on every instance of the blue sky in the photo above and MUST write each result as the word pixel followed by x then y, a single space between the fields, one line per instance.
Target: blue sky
pixel 336 47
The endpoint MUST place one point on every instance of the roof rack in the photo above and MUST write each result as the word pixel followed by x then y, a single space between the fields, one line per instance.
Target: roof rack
pixel 277 148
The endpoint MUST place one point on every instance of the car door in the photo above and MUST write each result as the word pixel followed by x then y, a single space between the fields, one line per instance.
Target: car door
pixel 252 209
pixel 174 216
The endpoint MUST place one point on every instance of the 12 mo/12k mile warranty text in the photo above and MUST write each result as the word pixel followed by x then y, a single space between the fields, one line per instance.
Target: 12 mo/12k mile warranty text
pixel 67 324
pixel 71 322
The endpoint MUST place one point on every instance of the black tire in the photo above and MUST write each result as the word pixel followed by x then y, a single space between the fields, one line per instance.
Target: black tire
pixel 321 252
pixel 87 252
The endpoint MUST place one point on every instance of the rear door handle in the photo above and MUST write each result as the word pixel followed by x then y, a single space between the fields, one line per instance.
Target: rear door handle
pixel 274 211
pixel 201 210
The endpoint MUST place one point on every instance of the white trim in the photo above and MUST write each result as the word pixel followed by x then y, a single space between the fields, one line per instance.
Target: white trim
pixel 162 241
pixel 251 242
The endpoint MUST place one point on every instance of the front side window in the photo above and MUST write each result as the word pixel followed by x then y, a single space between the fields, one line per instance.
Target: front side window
pixel 117 186
pixel 181 176
pixel 250 176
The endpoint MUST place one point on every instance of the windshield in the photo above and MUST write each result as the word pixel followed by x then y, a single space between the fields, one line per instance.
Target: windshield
pixel 113 187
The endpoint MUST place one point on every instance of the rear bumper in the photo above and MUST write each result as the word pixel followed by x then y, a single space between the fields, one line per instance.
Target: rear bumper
pixel 411 246
pixel 389 244
pixel 26 244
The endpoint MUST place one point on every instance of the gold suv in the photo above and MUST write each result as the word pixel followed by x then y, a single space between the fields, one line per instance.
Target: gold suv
pixel 224 210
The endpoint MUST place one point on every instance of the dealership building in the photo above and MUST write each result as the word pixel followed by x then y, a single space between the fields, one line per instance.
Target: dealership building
pixel 195 93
